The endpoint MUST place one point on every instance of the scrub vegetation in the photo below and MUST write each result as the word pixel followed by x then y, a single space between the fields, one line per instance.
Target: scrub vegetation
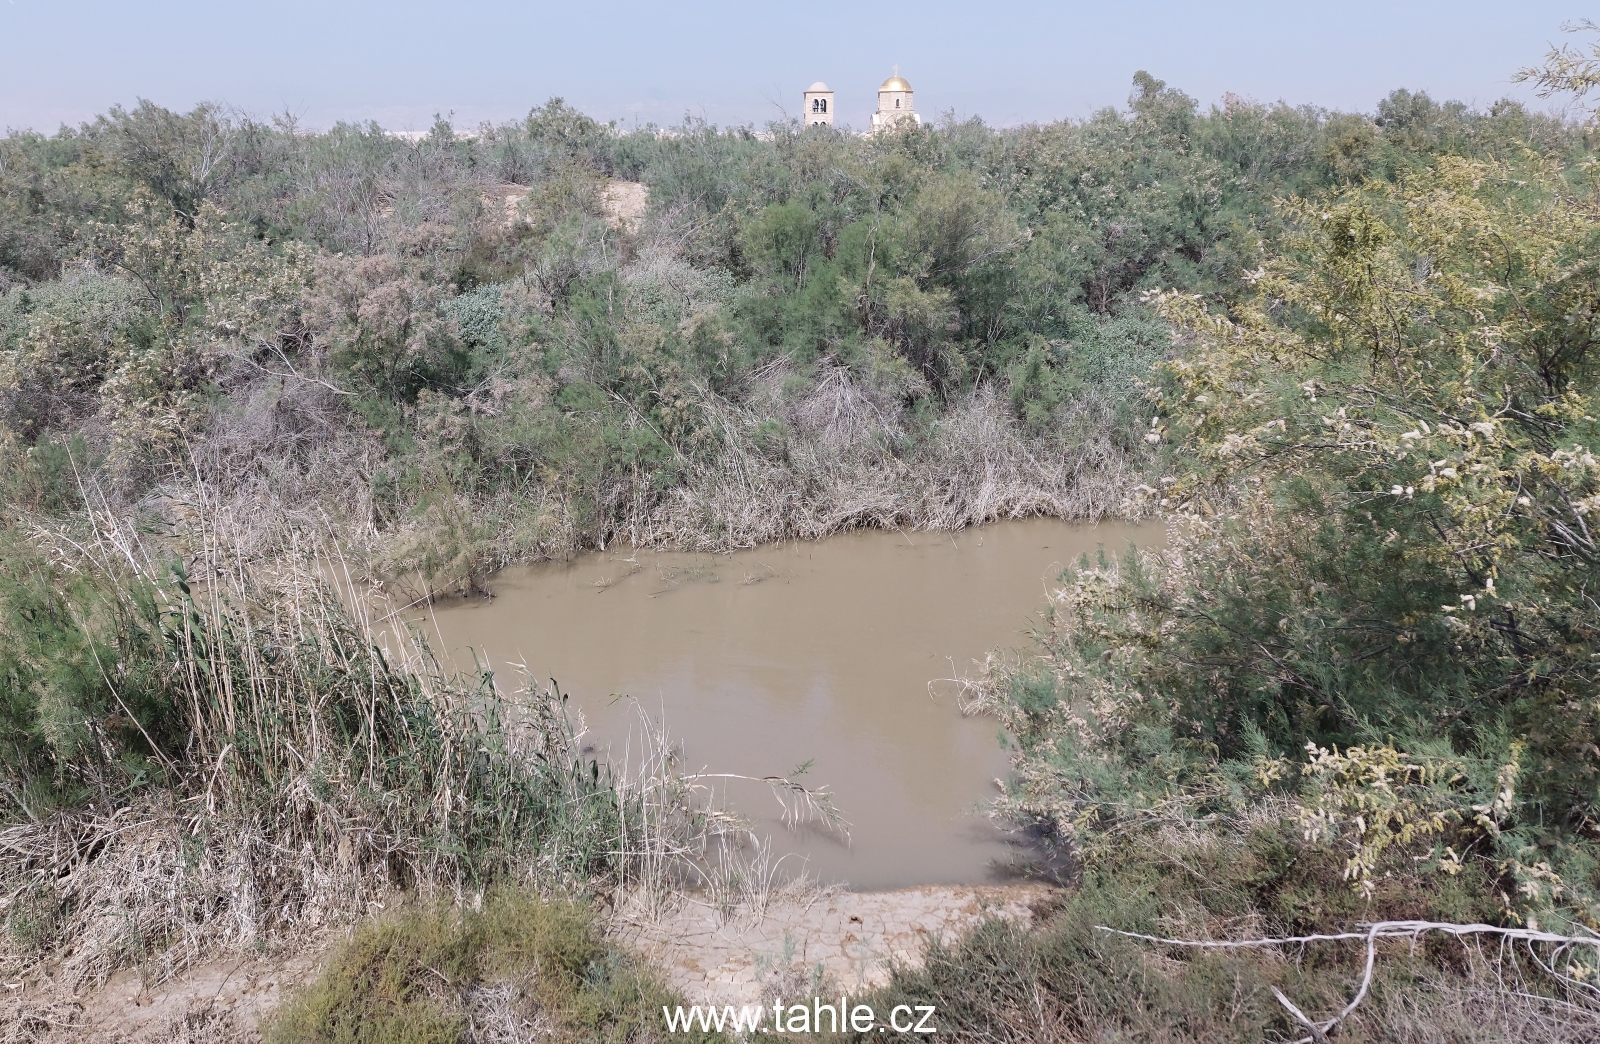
pixel 246 369
pixel 517 968
pixel 1359 686
pixel 459 342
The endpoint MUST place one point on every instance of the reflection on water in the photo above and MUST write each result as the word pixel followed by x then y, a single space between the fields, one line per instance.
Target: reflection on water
pixel 820 654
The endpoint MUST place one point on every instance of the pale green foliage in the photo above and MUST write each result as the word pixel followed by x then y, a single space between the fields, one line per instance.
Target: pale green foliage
pixel 1383 798
pixel 56 344
pixel 1441 372
pixel 213 294
pixel 477 315
pixel 1434 382
pixel 444 975
pixel 665 292
pixel 1566 69
pixel 1380 550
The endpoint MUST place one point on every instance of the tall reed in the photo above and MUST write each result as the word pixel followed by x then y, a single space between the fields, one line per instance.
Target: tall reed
pixel 307 760
pixel 319 764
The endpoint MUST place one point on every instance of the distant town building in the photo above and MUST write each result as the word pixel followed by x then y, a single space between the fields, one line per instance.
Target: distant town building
pixel 818 111
pixel 894 105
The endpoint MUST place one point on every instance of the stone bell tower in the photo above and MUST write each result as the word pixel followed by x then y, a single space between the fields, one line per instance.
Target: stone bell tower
pixel 818 110
pixel 894 104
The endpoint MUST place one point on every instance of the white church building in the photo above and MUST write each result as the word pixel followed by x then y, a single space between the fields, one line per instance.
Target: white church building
pixel 894 105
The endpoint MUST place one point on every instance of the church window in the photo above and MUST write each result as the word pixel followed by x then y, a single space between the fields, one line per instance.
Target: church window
pixel 824 102
pixel 897 103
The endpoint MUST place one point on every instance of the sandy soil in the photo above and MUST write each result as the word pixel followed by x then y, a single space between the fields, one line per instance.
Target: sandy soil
pixel 510 198
pixel 219 1001
pixel 805 942
pixel 625 203
pixel 848 940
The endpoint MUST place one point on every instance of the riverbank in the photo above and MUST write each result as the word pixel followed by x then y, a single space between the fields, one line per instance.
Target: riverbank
pixel 244 853
pixel 817 941
pixel 795 457
pixel 808 941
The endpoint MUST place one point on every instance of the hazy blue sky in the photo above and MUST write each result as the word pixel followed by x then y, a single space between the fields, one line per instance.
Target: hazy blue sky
pixel 1009 62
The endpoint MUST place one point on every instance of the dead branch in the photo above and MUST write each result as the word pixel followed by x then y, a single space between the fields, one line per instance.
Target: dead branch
pixel 1384 930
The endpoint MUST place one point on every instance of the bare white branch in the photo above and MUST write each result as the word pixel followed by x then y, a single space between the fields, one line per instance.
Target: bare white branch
pixel 1375 931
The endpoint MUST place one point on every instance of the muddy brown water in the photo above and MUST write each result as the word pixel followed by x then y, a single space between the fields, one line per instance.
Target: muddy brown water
pixel 818 653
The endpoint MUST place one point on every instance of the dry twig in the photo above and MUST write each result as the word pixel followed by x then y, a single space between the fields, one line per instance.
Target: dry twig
pixel 1388 930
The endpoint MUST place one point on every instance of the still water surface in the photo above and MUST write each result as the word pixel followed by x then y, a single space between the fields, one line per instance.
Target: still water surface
pixel 760 661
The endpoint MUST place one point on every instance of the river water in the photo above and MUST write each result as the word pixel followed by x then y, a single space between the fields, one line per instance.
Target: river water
pixel 817 654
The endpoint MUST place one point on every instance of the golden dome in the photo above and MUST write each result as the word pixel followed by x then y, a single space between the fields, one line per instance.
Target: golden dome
pixel 895 83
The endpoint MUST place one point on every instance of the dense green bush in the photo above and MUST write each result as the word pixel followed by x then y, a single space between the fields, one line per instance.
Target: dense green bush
pixel 1376 599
